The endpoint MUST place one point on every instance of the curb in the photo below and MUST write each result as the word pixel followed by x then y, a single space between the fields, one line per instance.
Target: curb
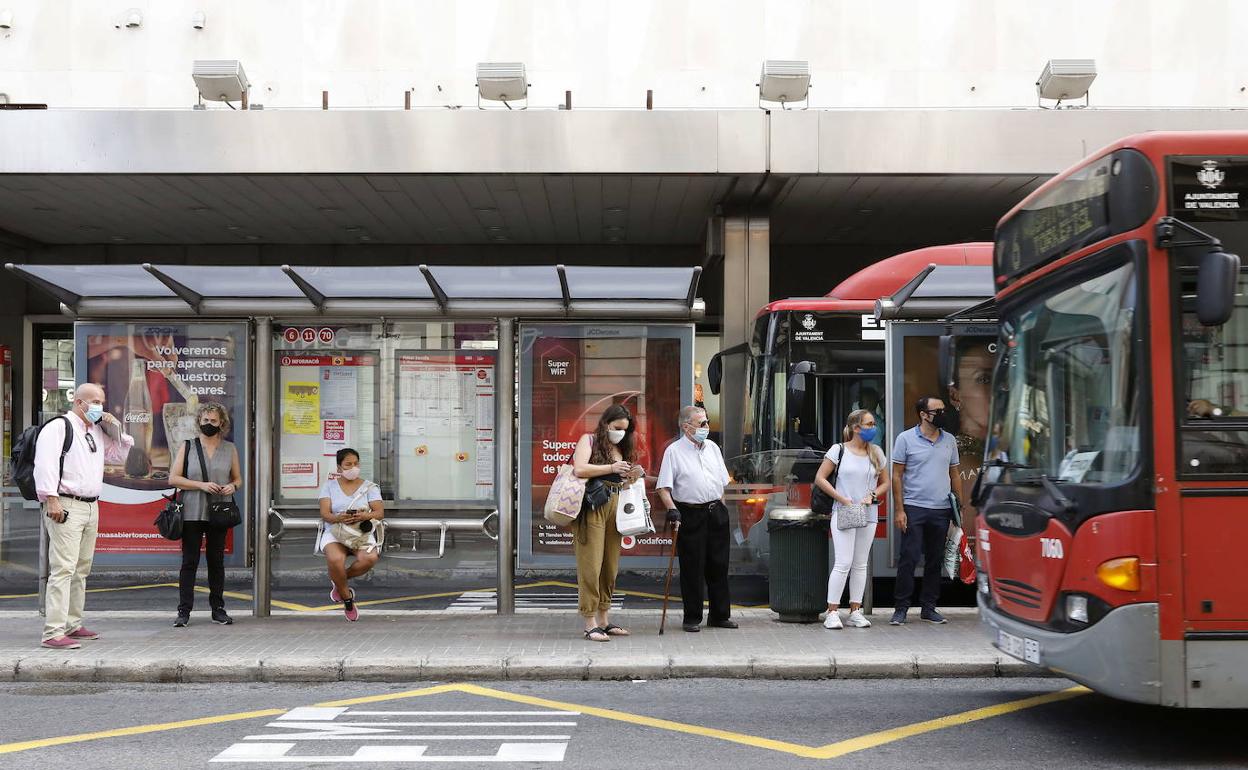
pixel 526 667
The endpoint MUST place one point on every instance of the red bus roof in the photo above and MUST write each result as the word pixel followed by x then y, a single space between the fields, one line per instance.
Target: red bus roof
pixel 1156 145
pixel 858 293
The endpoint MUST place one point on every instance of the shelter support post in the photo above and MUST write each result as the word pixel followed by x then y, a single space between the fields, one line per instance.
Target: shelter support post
pixel 505 465
pixel 262 469
pixel 747 255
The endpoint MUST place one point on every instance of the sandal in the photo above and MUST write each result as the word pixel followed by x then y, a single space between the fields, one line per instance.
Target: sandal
pixel 589 635
pixel 612 629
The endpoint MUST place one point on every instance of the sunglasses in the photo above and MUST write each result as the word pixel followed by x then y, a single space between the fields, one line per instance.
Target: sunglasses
pixel 91 442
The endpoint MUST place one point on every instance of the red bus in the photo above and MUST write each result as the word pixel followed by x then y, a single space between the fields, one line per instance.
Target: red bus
pixel 832 349
pixel 1114 498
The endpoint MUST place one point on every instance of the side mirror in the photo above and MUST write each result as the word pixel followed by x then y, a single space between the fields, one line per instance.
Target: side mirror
pixel 1217 279
pixel 947 355
pixel 715 373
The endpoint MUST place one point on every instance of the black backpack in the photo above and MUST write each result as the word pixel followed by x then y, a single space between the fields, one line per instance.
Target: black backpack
pixel 24 456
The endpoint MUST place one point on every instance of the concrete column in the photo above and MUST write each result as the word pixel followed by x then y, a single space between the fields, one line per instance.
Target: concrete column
pixel 747 272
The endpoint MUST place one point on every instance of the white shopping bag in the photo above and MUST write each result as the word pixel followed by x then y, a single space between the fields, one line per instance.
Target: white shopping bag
pixel 632 510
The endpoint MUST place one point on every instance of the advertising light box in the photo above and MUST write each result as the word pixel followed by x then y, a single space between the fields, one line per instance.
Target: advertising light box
pixel 569 375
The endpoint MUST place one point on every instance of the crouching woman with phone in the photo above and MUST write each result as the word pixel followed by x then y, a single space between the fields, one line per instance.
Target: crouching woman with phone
pixel 350 506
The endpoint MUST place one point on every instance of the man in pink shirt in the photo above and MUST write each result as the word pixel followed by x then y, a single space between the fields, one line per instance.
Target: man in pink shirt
pixel 70 497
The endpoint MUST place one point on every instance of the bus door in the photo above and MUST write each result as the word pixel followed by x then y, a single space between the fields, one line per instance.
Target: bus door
pixel 1212 454
pixel 826 403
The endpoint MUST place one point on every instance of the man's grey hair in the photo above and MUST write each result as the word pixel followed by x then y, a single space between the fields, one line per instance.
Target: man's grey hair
pixel 687 413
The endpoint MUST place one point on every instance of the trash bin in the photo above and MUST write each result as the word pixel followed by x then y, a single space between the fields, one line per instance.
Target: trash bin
pixel 798 583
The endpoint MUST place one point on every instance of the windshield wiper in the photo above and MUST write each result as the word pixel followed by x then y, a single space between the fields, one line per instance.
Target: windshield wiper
pixel 1065 503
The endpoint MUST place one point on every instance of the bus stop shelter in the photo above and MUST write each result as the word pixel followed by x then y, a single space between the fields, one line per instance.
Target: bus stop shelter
pixel 255 323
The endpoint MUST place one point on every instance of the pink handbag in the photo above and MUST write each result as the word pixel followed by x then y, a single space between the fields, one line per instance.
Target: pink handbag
pixel 567 492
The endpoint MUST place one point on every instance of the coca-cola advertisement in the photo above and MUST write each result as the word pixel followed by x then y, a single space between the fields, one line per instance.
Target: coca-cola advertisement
pixel 569 375
pixel 155 377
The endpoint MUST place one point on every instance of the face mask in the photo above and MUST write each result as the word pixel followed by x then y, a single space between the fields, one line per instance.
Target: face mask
pixel 700 434
pixel 615 436
pixel 351 474
pixel 209 430
pixel 942 420
pixel 95 412
pixel 868 434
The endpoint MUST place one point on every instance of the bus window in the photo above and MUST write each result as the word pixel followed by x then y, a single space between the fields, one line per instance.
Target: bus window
pixel 1067 396
pixel 1213 386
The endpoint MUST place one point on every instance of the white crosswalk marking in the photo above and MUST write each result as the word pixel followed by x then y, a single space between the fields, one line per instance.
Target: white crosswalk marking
pixel 503 736
pixel 276 752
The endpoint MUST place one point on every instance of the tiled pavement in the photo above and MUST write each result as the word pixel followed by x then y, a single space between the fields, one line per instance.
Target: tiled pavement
pixel 395 647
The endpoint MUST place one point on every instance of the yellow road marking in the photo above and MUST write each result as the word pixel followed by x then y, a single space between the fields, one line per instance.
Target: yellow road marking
pixel 60 740
pixel 98 590
pixel 830 751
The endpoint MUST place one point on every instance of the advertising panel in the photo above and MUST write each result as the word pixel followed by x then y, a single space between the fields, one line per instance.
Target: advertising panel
pixel 569 375
pixel 966 398
pixel 155 376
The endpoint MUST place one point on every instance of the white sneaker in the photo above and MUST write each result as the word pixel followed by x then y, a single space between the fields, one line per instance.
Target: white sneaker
pixel 833 621
pixel 858 620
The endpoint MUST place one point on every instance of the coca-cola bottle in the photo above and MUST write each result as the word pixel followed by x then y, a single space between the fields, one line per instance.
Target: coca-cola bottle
pixel 137 416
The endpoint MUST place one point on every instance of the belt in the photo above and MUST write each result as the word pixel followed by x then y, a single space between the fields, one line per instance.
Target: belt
pixel 79 498
pixel 697 506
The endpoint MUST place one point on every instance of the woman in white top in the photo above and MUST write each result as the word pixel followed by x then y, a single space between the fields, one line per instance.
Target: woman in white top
pixel 354 502
pixel 860 481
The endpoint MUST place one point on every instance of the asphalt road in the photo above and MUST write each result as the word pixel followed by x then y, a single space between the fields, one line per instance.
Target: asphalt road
pixel 1027 723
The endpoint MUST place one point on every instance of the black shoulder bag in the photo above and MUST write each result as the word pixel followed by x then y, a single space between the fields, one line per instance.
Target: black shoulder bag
pixel 222 514
pixel 169 521
pixel 821 502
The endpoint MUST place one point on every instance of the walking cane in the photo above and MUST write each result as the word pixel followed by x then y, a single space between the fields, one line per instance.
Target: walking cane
pixel 667 588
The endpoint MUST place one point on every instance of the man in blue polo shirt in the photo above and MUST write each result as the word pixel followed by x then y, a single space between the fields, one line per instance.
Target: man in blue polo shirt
pixel 925 472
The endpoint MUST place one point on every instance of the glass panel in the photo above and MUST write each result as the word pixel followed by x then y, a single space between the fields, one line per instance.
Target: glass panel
pixel 966 282
pixel 541 282
pixel 1067 387
pixel 233 281
pixel 102 280
pixel 629 282
pixel 405 282
pixel 1213 385
pixel 56 375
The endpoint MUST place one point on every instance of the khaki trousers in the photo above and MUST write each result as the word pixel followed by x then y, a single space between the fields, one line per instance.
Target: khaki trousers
pixel 596 543
pixel 71 549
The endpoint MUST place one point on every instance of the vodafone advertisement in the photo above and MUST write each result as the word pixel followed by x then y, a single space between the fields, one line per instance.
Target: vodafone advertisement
pixel 155 376
pixel 569 375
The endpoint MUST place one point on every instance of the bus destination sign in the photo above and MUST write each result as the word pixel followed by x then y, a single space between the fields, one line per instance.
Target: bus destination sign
pixel 1209 189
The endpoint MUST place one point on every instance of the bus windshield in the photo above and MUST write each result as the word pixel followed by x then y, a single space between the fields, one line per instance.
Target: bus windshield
pixel 1067 391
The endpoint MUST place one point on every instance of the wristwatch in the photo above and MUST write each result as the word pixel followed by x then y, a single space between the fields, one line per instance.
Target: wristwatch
pixel 874 500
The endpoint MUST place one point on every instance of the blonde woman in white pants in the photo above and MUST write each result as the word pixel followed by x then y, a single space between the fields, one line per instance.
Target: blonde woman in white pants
pixel 860 480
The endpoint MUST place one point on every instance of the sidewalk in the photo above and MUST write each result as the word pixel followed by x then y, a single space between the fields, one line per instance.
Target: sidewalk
pixel 432 646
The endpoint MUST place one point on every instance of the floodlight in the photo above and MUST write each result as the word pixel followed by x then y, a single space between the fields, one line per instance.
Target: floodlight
pixel 1064 79
pixel 134 18
pixel 6 19
pixel 784 81
pixel 199 19
pixel 220 80
pixel 502 82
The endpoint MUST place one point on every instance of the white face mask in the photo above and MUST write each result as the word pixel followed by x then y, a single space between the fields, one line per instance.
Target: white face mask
pixel 615 436
pixel 351 474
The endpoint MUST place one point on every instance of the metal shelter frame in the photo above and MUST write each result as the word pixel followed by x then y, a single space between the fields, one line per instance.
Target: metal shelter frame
pixel 259 294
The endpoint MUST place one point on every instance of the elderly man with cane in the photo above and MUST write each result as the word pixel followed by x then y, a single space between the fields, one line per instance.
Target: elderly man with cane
pixel 691 485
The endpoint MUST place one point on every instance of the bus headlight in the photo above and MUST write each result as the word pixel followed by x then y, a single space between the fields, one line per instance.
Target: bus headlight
pixel 1077 609
pixel 1123 574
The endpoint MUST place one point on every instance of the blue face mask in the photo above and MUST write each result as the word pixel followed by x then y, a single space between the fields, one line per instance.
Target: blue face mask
pixel 95 412
pixel 700 434
pixel 868 434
